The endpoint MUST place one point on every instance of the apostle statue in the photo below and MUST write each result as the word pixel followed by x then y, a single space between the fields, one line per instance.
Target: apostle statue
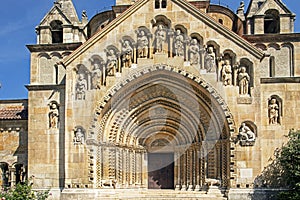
pixel 227 73
pixel 243 80
pixel 194 51
pixel 126 54
pixel 179 43
pixel 142 43
pixel 210 60
pixel 161 37
pixel 53 116
pixel 273 111
pixel 111 65
pixel 81 87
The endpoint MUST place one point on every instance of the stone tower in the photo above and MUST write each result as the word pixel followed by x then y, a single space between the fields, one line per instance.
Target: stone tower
pixel 58 34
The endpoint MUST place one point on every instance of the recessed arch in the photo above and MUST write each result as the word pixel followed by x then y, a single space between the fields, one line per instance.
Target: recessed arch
pixel 124 118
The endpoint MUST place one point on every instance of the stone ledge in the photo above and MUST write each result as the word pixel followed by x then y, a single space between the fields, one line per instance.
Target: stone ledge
pixel 280 80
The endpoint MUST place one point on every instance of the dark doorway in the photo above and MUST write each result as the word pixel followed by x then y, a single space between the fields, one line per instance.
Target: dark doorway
pixel 161 171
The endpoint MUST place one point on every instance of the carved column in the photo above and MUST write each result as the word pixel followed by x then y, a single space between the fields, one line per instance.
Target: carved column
pixel 119 64
pixel 138 168
pixel 134 53
pixel 202 54
pixel 171 35
pixel 177 171
pixel 184 171
pixel 144 169
pixel 151 49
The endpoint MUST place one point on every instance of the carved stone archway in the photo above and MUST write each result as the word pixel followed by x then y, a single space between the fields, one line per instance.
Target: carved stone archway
pixel 161 109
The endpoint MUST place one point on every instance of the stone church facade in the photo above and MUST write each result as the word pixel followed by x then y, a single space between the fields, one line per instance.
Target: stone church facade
pixel 155 94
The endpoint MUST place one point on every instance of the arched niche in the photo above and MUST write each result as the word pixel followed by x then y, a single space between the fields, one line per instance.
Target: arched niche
pixel 288 51
pixel 275 110
pixel 249 69
pixel 228 54
pixel 272 21
pixel 261 46
pixel 161 20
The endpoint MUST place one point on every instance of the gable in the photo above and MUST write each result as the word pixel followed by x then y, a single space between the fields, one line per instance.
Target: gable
pixel 273 4
pixel 54 14
pixel 180 12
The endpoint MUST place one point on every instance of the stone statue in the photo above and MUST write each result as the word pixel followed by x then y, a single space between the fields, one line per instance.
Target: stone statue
pixel 81 87
pixel 126 54
pixel 210 60
pixel 194 51
pixel 244 80
pixel 53 116
pixel 246 134
pixel 97 76
pixel 143 44
pixel 84 16
pixel 273 111
pixel 111 62
pixel 179 43
pixel 227 73
pixel 79 136
pixel 161 37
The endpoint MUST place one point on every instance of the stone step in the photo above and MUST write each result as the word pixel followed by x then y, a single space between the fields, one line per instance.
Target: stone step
pixel 108 194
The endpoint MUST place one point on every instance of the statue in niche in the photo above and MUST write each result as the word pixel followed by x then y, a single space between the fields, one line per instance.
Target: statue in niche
pixel 97 76
pixel 243 80
pixel 53 115
pixel 126 54
pixel 273 111
pixel 179 43
pixel 81 87
pixel 194 51
pixel 78 136
pixel 111 62
pixel 246 135
pixel 210 60
pixel 142 43
pixel 161 37
pixel 227 73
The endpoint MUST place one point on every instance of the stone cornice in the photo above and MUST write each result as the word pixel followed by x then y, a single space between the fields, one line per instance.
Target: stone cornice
pixel 282 80
pixel 289 37
pixel 44 87
pixel 53 47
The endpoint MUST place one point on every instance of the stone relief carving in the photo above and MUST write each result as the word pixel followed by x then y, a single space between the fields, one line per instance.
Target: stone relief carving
pixel 246 135
pixel 142 44
pixel 227 73
pixel 112 60
pixel 127 52
pixel 194 51
pixel 179 43
pixel 53 115
pixel 243 81
pixel 273 111
pixel 160 38
pixel 79 135
pixel 81 87
pixel 210 60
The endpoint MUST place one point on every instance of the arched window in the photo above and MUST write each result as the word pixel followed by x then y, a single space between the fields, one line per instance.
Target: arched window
pixel 272 21
pixel 272 66
pixel 56 31
pixel 221 21
pixel 164 3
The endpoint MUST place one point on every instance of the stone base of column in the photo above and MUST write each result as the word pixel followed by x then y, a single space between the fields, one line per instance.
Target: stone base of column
pixel 177 187
pixel 191 188
pixel 183 188
pixel 197 188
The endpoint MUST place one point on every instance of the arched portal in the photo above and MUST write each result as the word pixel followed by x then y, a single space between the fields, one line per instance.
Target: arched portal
pixel 161 124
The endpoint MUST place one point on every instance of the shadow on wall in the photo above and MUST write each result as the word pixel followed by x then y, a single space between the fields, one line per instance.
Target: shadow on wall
pixel 271 181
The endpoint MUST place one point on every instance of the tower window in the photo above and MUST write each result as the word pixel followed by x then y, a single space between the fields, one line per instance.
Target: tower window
pixel 160 4
pixel 157 4
pixel 221 21
pixel 272 22
pixel 56 31
pixel 164 3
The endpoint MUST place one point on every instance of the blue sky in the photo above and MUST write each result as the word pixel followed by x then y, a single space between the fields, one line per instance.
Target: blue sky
pixel 18 22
